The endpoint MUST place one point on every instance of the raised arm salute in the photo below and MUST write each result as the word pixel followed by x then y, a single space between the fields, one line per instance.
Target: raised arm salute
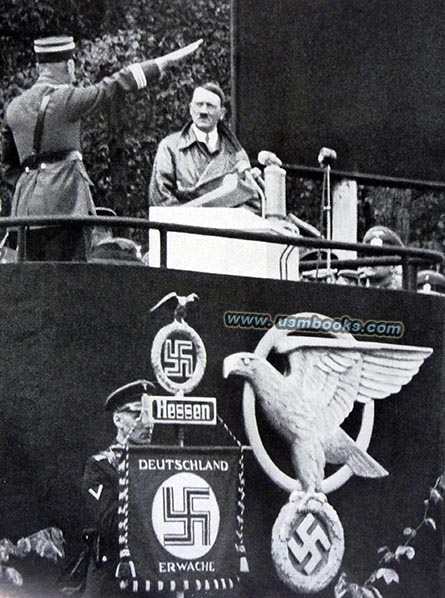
pixel 44 125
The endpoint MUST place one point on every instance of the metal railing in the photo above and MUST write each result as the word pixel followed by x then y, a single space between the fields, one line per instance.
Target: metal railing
pixel 408 257
pixel 363 178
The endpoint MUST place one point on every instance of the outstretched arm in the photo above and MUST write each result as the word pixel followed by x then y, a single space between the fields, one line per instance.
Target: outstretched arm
pixel 80 101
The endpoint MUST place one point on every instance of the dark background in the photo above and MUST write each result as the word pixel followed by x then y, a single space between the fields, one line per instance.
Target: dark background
pixel 364 78
pixel 73 333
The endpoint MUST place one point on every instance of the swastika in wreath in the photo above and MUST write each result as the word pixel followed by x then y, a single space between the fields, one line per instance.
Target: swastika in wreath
pixel 307 543
pixel 309 540
pixel 178 358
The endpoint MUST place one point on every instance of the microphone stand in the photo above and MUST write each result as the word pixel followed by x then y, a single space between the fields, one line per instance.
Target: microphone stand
pixel 325 158
pixel 328 210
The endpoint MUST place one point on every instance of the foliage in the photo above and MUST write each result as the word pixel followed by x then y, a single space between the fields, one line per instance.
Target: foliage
pixel 119 144
pixel 404 552
pixel 46 543
pixel 417 215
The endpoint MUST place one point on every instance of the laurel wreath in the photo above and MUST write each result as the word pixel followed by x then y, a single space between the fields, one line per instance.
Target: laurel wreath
pixel 156 352
pixel 283 529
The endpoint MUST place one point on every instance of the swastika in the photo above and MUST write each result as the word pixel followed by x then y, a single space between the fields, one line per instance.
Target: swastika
pixel 189 517
pixel 179 354
pixel 309 535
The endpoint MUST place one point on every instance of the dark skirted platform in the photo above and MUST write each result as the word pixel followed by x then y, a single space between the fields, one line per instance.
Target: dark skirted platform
pixel 72 333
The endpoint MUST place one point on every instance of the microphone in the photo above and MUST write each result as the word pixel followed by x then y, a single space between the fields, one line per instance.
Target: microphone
pixel 249 174
pixel 242 167
pixel 257 175
pixel 266 158
pixel 327 156
pixel 246 172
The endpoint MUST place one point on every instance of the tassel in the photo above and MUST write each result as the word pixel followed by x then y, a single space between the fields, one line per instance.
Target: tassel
pixel 243 565
pixel 125 571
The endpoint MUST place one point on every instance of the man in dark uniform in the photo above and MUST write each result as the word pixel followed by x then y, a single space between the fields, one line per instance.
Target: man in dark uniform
pixel 430 282
pixel 100 487
pixel 42 140
pixel 100 484
pixel 105 248
pixel 382 277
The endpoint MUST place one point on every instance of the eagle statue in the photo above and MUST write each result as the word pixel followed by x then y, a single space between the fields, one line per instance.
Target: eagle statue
pixel 308 403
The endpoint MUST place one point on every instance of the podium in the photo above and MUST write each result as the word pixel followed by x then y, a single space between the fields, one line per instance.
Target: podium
pixel 221 255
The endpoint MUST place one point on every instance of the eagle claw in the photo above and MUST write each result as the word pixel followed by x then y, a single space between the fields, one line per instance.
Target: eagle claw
pixel 304 498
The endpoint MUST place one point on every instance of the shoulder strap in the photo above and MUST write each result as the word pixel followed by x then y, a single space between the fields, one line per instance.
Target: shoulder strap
pixel 38 130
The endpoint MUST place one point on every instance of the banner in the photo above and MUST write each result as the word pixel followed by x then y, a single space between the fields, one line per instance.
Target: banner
pixel 180 518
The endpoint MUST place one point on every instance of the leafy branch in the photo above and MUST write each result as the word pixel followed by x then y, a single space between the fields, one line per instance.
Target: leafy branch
pixel 405 551
pixel 46 543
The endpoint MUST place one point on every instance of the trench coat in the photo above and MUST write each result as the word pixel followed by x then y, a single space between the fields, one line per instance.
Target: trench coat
pixel 184 169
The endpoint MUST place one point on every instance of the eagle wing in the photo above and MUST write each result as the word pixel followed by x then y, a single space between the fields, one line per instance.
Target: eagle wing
pixel 331 374
pixel 386 368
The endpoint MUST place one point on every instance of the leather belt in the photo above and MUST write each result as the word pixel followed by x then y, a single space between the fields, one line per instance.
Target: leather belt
pixel 40 161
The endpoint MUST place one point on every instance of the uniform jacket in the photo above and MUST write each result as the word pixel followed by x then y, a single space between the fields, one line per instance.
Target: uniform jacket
pixel 61 187
pixel 184 169
pixel 100 487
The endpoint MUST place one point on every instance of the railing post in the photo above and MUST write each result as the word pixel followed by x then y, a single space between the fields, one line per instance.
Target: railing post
pixel 21 243
pixel 409 274
pixel 163 247
pixel 344 215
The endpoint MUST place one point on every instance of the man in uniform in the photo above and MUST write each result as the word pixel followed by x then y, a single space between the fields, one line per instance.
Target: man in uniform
pixel 430 282
pixel 41 141
pixel 106 248
pixel 100 485
pixel 193 161
pixel 382 277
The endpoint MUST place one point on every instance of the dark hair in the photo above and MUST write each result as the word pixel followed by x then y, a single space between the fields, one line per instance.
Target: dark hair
pixel 214 88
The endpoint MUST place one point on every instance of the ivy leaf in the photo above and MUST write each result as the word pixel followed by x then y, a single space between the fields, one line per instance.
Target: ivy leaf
pixel 409 531
pixel 388 575
pixel 386 555
pixel 405 551
pixel 7 548
pixel 342 586
pixel 371 592
pixel 431 523
pixel 11 575
pixel 435 496
pixel 357 591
